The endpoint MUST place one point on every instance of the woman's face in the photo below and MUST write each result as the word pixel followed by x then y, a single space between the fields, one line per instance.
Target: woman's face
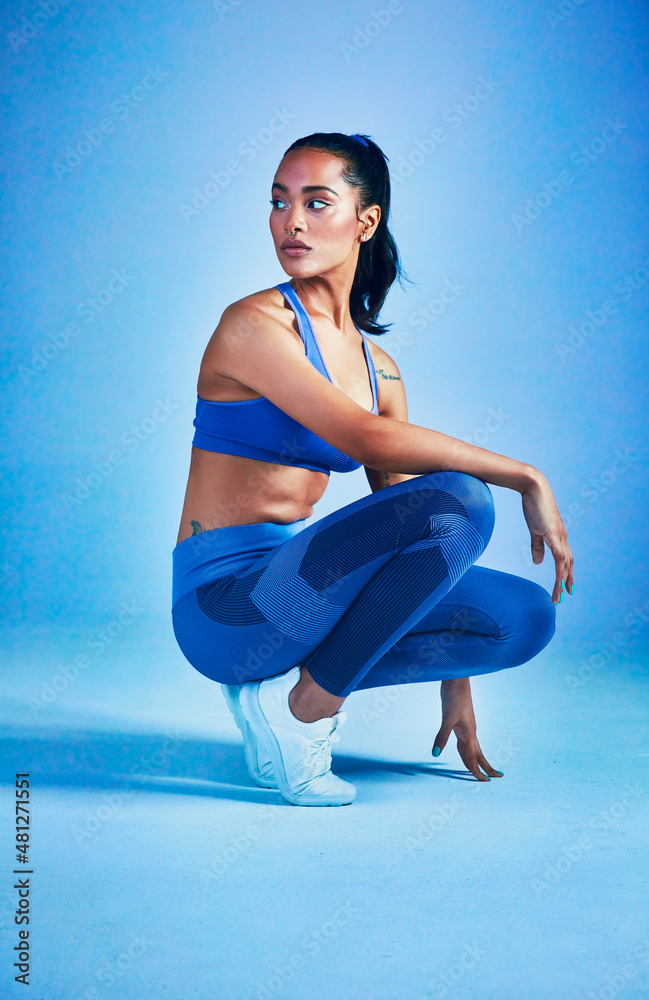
pixel 310 197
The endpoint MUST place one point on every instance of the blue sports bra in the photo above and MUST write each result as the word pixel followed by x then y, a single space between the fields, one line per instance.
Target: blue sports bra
pixel 256 428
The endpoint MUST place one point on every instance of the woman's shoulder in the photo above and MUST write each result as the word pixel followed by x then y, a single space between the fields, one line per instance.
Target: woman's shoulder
pixel 385 365
pixel 242 323
pixel 251 316
pixel 267 300
pixel 391 391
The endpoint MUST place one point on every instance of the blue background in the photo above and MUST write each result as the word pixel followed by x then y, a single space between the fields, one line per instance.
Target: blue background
pixel 218 74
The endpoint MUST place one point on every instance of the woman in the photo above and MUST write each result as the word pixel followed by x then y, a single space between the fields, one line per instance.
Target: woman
pixel 289 618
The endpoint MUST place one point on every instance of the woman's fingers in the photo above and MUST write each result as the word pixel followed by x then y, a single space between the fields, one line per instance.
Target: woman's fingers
pixel 486 766
pixel 471 761
pixel 440 740
pixel 564 564
pixel 469 751
pixel 568 575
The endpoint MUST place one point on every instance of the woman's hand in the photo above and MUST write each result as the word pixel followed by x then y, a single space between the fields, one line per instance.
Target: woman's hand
pixel 458 717
pixel 546 526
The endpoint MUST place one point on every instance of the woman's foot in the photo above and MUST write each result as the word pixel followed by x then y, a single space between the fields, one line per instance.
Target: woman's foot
pixel 309 702
pixel 259 764
pixel 300 752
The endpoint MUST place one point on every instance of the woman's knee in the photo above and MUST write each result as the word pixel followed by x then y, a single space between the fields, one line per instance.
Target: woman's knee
pixel 544 616
pixel 537 620
pixel 472 493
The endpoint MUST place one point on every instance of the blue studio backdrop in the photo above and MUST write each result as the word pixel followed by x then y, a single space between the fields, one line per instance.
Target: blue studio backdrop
pixel 140 151
pixel 140 143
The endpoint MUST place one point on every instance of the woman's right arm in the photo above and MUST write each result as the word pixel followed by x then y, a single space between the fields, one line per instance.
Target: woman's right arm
pixel 413 449
pixel 254 349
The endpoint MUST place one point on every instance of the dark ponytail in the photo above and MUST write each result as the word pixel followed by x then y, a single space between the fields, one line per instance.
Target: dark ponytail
pixel 366 169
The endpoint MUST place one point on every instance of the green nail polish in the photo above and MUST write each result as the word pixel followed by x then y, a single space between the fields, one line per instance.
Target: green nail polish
pixel 572 590
pixel 437 751
pixel 562 584
pixel 561 598
pixel 499 772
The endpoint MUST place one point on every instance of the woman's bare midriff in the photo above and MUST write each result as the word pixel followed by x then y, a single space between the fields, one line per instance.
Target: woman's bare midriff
pixel 229 489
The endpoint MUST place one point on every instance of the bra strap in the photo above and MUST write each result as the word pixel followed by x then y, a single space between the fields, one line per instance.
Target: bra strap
pixel 302 320
pixel 372 369
pixel 304 325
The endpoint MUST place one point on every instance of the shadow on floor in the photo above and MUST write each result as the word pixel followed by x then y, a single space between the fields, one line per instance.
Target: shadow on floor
pixel 164 762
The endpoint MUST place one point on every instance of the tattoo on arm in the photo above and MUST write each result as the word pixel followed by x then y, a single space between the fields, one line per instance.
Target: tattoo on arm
pixel 383 375
pixel 198 527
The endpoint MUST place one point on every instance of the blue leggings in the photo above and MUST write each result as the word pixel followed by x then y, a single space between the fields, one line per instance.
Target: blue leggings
pixel 380 592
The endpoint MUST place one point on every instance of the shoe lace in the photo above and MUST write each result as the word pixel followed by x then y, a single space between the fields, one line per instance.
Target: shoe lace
pixel 320 749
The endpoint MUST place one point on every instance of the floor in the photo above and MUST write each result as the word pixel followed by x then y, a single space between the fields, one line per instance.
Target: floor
pixel 159 870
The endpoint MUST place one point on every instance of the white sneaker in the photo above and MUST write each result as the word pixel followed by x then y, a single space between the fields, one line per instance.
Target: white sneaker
pixel 300 752
pixel 259 764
